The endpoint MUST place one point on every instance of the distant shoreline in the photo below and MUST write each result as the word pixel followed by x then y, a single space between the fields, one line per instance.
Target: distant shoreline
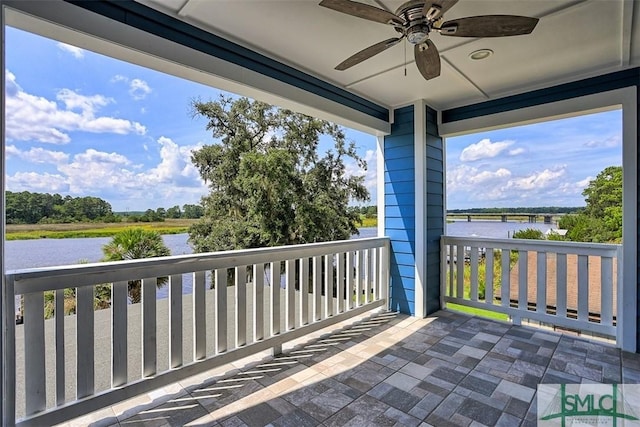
pixel 93 229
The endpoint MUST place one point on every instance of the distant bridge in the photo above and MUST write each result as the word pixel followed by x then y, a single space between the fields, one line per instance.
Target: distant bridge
pixel 531 217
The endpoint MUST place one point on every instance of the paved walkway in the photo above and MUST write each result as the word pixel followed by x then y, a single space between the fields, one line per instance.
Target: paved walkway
pixel 447 370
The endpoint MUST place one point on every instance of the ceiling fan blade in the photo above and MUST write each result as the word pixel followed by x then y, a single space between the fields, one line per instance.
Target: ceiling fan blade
pixel 427 59
pixel 367 53
pixel 436 8
pixel 489 26
pixel 362 10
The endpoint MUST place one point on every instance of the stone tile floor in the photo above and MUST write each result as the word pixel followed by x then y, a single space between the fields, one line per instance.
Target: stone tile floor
pixel 390 370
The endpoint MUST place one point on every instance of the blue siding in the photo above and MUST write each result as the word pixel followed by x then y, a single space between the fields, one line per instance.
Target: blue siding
pixel 399 203
pixel 435 210
pixel 152 21
pixel 617 80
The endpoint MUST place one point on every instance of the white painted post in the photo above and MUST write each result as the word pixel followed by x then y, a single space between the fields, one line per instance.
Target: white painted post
pixel 561 285
pixel 384 273
pixel 258 301
pixel 275 297
pixel 328 286
pixel 119 328
pixel 149 326
pixel 34 351
pixel 505 279
pixel 221 310
pixel 59 343
pixel 349 279
pixel 199 316
pixel 290 301
pixel 541 283
pixel 489 290
pixel 606 291
pixel 8 370
pixel 175 320
pixel 473 257
pixel 583 288
pixel 420 198
pixel 317 288
pixel 85 340
pixel 304 291
pixel 241 305
pixel 340 261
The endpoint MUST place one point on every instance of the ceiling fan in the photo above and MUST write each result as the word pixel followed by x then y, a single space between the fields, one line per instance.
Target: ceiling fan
pixel 415 19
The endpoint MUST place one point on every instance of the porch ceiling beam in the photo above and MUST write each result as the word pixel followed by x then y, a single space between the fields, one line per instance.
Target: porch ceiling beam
pixel 626 31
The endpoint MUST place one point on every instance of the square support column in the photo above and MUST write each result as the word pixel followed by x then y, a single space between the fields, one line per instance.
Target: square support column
pixel 414 208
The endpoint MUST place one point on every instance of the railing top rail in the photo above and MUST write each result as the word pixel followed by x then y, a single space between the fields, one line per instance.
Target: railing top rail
pixel 60 277
pixel 580 248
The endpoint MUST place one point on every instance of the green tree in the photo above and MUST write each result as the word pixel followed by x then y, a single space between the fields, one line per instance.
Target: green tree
pixel 601 219
pixel 192 211
pixel 529 233
pixel 270 184
pixel 604 192
pixel 174 212
pixel 136 243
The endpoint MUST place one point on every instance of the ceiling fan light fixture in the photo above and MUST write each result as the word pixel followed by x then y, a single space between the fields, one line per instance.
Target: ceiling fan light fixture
pixel 417 34
pixel 480 54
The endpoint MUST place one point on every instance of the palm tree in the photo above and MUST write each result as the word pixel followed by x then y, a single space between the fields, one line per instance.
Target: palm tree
pixel 136 243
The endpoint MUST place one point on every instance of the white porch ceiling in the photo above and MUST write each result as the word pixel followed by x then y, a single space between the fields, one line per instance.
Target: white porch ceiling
pixel 574 39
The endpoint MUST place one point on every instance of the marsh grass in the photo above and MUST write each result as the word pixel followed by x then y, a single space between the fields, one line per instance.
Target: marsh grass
pixel 79 230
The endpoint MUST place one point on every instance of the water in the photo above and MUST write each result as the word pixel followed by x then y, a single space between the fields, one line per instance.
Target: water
pixel 20 254
pixel 492 229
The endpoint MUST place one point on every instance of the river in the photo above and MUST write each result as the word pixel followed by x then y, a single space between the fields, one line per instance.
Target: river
pixel 21 254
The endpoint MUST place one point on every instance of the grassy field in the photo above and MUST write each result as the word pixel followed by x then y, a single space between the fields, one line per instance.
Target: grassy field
pixel 369 222
pixel 477 312
pixel 77 230
pixel 97 229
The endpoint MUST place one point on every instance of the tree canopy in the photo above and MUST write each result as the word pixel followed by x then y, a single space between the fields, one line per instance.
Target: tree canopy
pixel 601 220
pixel 32 208
pixel 269 182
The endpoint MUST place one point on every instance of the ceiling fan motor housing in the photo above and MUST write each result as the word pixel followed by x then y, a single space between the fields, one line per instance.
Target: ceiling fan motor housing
pixel 416 28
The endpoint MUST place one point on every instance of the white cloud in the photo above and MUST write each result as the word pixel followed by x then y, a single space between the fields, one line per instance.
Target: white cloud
pixel 583 183
pixel 35 118
pixel 370 175
pixel 475 185
pixel 175 165
pixel 37 182
pixel 38 155
pixel 611 142
pixel 472 179
pixel 517 151
pixel 114 177
pixel 77 52
pixel 539 180
pixel 484 149
pixel 138 88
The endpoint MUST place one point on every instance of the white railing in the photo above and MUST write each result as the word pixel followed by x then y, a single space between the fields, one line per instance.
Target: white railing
pixel 562 284
pixel 242 303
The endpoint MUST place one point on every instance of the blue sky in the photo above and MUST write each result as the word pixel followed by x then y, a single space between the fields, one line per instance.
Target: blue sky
pixel 83 124
pixel 544 164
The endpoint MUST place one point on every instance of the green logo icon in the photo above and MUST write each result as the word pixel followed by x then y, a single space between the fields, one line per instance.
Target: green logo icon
pixel 565 405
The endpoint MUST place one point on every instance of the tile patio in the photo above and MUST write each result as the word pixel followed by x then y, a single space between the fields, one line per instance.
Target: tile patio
pixel 387 370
